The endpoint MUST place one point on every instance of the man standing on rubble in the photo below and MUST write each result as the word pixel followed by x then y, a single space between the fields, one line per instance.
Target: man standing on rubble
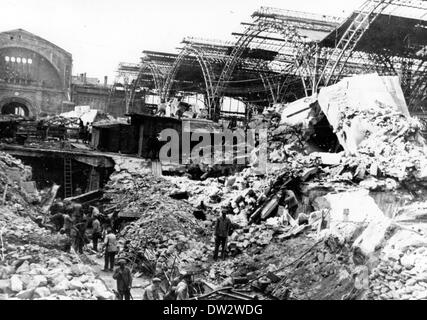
pixel 222 229
pixel 96 232
pixel 79 228
pixel 110 243
pixel 123 277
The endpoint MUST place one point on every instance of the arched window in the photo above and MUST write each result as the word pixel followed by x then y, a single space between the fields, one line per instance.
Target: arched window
pixel 24 60
pixel 7 58
pixel 30 61
pixel 18 60
pixel 12 59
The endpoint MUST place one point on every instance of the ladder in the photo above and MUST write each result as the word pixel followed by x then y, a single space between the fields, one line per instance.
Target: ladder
pixel 369 11
pixel 68 178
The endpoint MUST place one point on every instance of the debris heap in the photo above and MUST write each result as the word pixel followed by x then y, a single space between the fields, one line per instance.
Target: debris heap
pixel 32 262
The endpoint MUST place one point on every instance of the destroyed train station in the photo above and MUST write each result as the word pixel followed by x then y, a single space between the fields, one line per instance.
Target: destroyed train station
pixel 284 161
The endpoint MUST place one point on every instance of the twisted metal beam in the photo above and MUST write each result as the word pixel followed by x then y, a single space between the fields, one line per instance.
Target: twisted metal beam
pixel 369 11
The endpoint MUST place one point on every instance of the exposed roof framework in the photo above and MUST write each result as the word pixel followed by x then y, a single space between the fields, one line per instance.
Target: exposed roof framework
pixel 282 55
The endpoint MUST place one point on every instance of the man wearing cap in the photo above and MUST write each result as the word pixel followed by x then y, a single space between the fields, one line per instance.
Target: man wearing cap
pixel 153 291
pixel 123 277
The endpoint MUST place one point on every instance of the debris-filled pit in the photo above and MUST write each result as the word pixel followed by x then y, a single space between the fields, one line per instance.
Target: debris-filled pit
pixel 325 221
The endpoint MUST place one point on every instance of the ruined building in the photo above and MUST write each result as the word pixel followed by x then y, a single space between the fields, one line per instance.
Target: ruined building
pixel 35 74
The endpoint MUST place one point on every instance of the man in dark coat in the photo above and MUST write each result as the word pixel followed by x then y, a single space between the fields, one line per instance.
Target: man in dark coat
pixel 222 228
pixel 123 277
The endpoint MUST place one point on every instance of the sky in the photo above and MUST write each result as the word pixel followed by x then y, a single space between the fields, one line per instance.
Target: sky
pixel 101 33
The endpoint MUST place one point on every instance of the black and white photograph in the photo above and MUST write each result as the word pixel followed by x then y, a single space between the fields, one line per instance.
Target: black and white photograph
pixel 214 156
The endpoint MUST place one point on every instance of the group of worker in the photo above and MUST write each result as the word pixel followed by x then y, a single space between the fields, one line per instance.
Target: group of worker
pixel 178 288
pixel 70 219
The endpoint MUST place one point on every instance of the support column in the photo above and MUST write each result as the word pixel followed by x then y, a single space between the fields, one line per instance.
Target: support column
pixel 141 139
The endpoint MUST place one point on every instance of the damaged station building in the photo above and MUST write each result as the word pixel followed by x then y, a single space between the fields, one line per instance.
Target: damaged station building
pixel 328 201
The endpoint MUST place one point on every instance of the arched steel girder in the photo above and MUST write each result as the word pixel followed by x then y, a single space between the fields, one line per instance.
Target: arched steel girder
pixel 419 88
pixel 268 85
pixel 335 64
pixel 155 72
pixel 205 66
pixel 290 35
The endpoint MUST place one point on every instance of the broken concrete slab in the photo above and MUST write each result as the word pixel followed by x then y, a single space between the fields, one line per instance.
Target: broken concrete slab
pixel 374 236
pixel 351 206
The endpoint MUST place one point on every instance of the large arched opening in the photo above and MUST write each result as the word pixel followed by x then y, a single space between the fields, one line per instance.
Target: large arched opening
pixel 16 108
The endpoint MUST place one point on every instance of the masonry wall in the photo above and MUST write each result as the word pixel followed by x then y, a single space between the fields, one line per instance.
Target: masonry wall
pixel 33 72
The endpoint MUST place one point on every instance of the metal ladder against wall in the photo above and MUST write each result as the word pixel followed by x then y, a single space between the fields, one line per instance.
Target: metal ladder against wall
pixel 68 178
pixel 369 11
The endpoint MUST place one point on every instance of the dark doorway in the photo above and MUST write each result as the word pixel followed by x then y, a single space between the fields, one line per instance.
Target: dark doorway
pixel 15 108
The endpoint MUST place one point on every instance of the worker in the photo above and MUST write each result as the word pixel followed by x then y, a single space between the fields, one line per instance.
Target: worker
pixel 68 223
pixel 182 289
pixel 81 130
pixel 110 245
pixel 57 215
pixel 123 277
pixel 171 294
pixel 58 220
pixel 79 228
pixel 96 232
pixel 222 229
pixel 78 191
pixel 95 211
pixel 153 291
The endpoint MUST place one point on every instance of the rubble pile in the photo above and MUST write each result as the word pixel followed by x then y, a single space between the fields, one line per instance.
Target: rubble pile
pixel 392 147
pixel 400 276
pixel 165 232
pixel 325 272
pixel 14 174
pixel 32 263
pixel 38 273
pixel 240 192
pixel 132 193
pixel 22 230
pixel 284 140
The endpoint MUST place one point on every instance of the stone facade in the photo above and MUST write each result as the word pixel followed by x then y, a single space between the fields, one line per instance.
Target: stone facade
pixel 35 75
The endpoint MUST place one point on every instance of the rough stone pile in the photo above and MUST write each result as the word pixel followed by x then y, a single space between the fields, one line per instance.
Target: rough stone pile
pixel 37 273
pixel 241 192
pixel 166 232
pixel 392 146
pixel 12 173
pixel 400 276
pixel 31 266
